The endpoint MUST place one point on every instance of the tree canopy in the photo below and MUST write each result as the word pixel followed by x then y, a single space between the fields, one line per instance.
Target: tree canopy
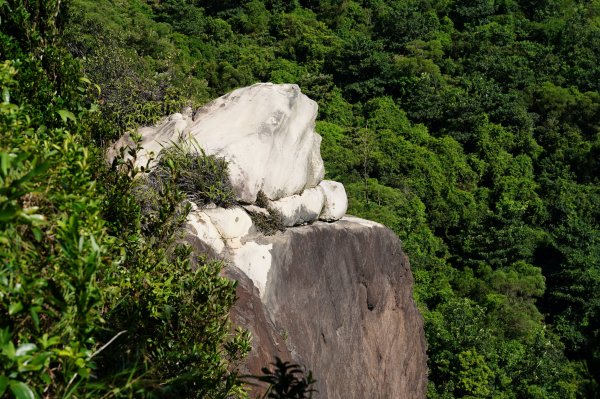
pixel 470 128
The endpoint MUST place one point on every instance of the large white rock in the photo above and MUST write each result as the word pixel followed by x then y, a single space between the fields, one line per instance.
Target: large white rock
pixel 233 224
pixel 255 261
pixel 200 226
pixel 298 209
pixel 265 131
pixel 336 200
pixel 158 137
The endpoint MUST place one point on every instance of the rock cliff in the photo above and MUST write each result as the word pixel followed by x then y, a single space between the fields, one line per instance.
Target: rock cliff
pixel 331 292
pixel 340 299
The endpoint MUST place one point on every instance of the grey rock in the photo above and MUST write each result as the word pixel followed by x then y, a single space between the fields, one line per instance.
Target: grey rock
pixel 340 296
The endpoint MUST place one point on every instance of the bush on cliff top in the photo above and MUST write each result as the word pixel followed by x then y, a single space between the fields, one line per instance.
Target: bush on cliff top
pixel 203 178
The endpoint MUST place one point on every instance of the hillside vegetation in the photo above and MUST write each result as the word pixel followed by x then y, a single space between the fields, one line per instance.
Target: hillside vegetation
pixel 470 128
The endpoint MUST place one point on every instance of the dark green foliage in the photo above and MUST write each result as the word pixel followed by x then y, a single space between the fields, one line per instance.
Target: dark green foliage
pixel 171 305
pixel 262 200
pixel 142 72
pixel 177 341
pixel 95 299
pixel 270 221
pixel 268 224
pixel 469 127
pixel 286 381
pixel 51 236
pixel 204 179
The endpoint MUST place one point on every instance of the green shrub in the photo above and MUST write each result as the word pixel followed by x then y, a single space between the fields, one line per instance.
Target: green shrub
pixel 52 240
pixel 177 339
pixel 172 306
pixel 204 179
pixel 269 223
pixel 96 300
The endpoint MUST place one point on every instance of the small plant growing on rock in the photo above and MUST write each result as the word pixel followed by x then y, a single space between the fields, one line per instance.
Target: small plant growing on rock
pixel 183 174
pixel 262 200
pixel 286 381
pixel 270 223
pixel 202 178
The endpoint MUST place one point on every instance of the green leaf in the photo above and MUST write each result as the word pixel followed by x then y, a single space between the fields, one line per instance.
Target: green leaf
pixel 9 350
pixel 4 336
pixel 25 349
pixel 8 212
pixel 15 308
pixel 46 379
pixel 37 233
pixel 66 115
pixel 21 390
pixel 4 162
pixel 84 372
pixel 5 92
pixel 46 341
pixel 37 170
pixel 3 379
pixel 40 360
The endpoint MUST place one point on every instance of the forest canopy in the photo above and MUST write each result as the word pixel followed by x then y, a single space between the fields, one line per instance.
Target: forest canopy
pixel 470 128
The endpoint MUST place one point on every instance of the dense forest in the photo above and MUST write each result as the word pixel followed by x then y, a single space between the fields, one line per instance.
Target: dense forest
pixel 469 127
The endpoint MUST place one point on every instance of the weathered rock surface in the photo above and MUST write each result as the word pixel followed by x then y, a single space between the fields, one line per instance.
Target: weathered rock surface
pixel 339 295
pixel 266 134
pixel 267 341
pixel 335 297
pixel 336 201
pixel 300 208
pixel 265 131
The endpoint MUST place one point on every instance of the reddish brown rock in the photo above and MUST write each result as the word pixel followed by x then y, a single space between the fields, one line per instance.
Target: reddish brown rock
pixel 339 300
pixel 251 313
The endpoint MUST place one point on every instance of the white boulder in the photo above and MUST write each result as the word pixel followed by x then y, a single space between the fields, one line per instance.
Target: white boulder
pixel 336 201
pixel 265 132
pixel 154 139
pixel 233 224
pixel 199 225
pixel 303 208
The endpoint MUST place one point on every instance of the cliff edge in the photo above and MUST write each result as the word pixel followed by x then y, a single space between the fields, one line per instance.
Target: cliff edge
pixel 340 299
pixel 330 291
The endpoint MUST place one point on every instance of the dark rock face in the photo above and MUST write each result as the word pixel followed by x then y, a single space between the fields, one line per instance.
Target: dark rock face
pixel 250 312
pixel 267 340
pixel 339 298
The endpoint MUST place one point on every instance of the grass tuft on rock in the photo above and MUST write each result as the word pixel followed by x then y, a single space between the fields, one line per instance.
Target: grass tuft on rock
pixel 204 179
pixel 270 223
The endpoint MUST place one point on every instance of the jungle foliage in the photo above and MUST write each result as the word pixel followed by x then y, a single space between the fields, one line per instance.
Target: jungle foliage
pixel 98 299
pixel 471 128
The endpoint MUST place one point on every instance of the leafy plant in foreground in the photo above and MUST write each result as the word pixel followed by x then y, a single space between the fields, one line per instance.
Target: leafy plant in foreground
pixel 286 381
pixel 173 305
